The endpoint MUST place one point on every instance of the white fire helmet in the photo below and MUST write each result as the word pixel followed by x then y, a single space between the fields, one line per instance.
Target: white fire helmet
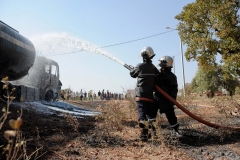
pixel 166 61
pixel 147 52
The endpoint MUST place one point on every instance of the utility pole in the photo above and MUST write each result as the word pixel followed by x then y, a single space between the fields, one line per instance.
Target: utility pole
pixel 184 89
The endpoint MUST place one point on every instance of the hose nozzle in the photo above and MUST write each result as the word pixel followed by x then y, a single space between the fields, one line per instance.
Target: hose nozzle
pixel 128 66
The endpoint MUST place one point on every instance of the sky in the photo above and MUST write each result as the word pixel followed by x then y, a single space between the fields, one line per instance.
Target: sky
pixel 74 34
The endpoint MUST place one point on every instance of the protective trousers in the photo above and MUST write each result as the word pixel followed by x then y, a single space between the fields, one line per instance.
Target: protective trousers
pixel 172 119
pixel 146 111
pixel 146 117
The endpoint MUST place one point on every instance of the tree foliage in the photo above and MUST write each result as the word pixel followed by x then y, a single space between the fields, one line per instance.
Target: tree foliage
pixel 210 28
pixel 206 80
pixel 212 80
pixel 188 89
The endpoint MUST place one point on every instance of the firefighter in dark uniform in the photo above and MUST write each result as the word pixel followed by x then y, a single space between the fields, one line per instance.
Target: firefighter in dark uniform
pixel 167 81
pixel 146 74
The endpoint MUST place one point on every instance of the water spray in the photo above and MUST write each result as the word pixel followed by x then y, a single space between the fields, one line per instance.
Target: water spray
pixel 187 111
pixel 53 44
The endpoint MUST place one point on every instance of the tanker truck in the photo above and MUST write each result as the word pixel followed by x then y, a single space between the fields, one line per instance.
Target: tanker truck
pixel 34 77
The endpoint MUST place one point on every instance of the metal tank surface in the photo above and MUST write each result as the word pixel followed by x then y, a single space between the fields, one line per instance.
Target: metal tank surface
pixel 17 53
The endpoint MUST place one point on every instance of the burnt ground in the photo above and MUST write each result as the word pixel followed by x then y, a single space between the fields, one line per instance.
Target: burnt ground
pixel 209 143
pixel 59 139
pixel 203 142
pixel 49 132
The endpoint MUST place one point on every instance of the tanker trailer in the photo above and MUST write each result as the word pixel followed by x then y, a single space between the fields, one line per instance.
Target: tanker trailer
pixel 17 56
pixel 17 53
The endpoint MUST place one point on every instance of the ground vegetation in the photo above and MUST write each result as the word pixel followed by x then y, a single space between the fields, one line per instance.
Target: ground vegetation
pixel 114 133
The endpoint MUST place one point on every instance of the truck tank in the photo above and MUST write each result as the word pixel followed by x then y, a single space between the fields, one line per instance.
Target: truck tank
pixel 17 53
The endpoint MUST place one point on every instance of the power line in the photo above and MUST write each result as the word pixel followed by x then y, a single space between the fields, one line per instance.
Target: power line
pixel 137 39
pixel 118 43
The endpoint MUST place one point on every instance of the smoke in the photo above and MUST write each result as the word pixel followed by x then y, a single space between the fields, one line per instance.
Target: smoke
pixel 62 43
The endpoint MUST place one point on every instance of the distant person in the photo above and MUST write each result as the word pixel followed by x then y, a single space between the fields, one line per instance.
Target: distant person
pixel 108 95
pixel 62 95
pixel 167 81
pixel 146 74
pixel 73 95
pixel 102 95
pixel 94 96
pixel 122 96
pixel 59 89
pixel 81 95
pixel 116 96
pixel 105 96
pixel 111 95
pixel 99 94
pixel 77 95
pixel 85 96
pixel 68 95
pixel 90 97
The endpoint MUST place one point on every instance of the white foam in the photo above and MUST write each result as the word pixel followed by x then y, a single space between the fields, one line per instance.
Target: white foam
pixel 49 108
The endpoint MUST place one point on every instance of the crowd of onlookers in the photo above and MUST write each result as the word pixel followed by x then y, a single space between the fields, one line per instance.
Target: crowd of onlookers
pixel 90 95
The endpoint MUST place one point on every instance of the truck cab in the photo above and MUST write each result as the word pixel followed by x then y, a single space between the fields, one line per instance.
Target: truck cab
pixel 43 77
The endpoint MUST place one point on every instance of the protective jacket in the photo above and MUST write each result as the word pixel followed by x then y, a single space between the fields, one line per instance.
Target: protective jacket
pixel 146 74
pixel 168 82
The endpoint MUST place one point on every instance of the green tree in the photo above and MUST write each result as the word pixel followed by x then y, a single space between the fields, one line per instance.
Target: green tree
pixel 206 80
pixel 188 89
pixel 230 84
pixel 210 28
pixel 212 80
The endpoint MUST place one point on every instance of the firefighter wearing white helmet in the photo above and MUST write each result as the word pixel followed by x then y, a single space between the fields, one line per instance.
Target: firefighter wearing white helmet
pixel 147 53
pixel 168 82
pixel 146 74
pixel 166 61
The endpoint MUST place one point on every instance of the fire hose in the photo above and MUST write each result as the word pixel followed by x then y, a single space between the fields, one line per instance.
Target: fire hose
pixel 187 111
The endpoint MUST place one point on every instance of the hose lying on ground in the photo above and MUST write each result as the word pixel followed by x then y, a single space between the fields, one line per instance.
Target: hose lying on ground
pixel 193 115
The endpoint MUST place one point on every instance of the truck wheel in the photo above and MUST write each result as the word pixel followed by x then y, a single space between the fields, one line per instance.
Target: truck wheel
pixel 49 96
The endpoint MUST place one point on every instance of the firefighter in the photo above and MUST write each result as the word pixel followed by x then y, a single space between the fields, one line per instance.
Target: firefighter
pixel 146 74
pixel 167 81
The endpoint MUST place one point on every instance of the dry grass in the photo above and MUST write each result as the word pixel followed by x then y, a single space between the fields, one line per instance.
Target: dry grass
pixel 16 148
pixel 115 132
pixel 115 136
pixel 71 120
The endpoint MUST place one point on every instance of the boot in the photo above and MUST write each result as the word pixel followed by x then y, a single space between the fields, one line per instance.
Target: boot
pixel 176 132
pixel 144 135
pixel 152 129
